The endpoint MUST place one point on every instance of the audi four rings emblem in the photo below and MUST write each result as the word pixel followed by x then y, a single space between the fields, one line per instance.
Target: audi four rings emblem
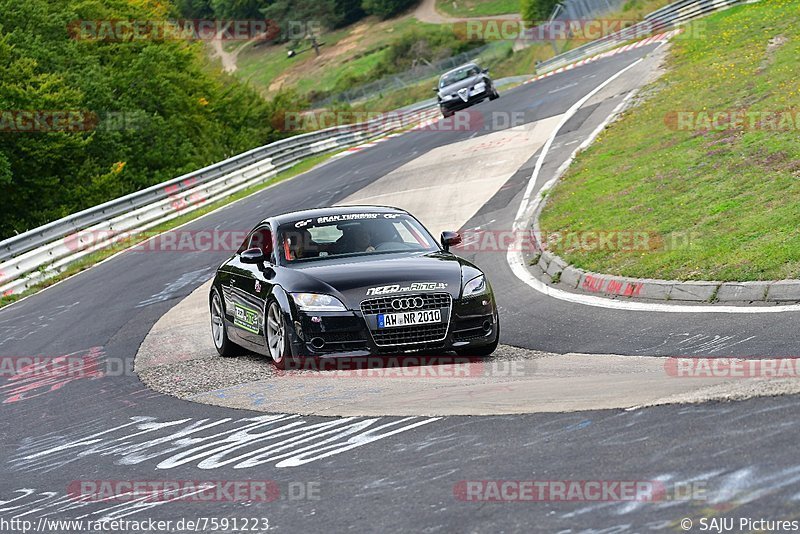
pixel 408 303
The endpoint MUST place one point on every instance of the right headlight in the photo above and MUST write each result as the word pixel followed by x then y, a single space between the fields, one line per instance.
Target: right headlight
pixel 317 302
pixel 476 286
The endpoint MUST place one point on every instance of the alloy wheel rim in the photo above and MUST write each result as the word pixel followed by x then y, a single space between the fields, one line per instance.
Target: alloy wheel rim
pixel 217 328
pixel 275 333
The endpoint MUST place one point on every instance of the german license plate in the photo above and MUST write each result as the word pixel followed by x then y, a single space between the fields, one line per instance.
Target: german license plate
pixel 390 320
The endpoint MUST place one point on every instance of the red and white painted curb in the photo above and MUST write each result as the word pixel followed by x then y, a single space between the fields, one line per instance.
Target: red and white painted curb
pixel 359 148
pixel 660 38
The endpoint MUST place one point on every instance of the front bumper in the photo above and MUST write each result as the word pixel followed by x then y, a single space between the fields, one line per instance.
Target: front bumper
pixel 466 323
pixel 457 103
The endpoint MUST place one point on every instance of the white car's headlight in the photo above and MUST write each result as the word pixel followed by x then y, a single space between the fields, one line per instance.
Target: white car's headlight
pixel 476 286
pixel 448 97
pixel 480 86
pixel 317 302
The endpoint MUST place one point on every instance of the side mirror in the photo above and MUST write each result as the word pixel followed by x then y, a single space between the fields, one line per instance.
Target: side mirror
pixel 485 71
pixel 253 256
pixel 435 89
pixel 450 239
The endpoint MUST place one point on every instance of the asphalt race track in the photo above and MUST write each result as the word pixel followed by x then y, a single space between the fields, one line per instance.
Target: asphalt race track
pixel 390 473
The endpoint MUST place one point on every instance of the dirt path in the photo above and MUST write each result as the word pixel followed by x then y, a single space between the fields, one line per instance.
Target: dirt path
pixel 229 58
pixel 426 12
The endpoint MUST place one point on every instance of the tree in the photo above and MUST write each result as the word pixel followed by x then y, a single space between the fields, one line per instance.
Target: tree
pixel 186 114
pixel 238 9
pixel 386 8
pixel 537 10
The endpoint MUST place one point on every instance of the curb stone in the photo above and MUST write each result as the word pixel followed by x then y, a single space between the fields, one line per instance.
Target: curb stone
pixel 694 291
pixel 556 265
pixel 784 291
pixel 743 291
pixel 570 276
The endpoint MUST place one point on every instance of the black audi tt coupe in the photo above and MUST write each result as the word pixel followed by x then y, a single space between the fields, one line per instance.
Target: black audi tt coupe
pixel 350 281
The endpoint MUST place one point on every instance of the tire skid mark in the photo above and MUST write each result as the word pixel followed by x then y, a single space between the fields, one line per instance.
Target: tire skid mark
pixel 283 440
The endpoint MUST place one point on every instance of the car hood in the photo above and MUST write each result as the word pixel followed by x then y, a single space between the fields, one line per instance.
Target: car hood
pixel 354 280
pixel 453 88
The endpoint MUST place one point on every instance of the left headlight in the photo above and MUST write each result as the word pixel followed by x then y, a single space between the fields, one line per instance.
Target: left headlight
pixel 476 286
pixel 317 302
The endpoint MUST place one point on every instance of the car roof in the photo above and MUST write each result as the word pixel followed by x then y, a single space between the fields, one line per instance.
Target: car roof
pixel 461 67
pixel 333 210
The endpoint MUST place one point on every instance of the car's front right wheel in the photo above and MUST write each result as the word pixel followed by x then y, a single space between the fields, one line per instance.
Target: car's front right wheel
pixel 277 336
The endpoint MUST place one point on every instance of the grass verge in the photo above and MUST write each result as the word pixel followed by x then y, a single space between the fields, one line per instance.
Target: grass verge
pixel 96 257
pixel 715 199
pixel 477 8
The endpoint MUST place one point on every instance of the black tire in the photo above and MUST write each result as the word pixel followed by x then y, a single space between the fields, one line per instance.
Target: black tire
pixel 219 330
pixel 495 95
pixel 281 353
pixel 446 114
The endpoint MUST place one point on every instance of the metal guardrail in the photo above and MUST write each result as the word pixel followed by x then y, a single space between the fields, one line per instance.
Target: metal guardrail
pixel 43 252
pixel 662 19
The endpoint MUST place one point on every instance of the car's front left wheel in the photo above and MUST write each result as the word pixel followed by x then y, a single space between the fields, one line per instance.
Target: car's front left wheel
pixel 277 336
pixel 219 330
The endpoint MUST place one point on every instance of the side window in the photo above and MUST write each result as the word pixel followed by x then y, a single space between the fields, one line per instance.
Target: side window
pixel 259 238
pixel 245 243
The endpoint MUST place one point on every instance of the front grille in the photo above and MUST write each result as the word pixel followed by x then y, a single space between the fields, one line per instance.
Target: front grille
pixel 410 335
pixel 432 301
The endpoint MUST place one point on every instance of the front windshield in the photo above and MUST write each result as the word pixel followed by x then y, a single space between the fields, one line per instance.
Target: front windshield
pixel 457 75
pixel 352 234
